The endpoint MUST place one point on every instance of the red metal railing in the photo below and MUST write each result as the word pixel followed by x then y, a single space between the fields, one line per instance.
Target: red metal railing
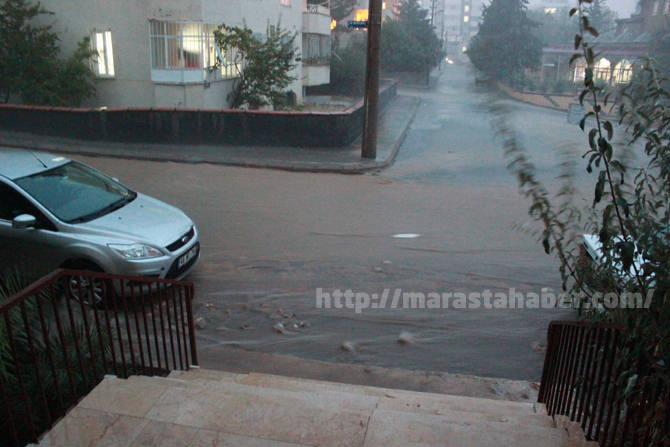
pixel 582 379
pixel 63 333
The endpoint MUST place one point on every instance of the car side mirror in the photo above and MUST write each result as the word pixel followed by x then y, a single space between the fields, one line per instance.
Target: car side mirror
pixel 23 221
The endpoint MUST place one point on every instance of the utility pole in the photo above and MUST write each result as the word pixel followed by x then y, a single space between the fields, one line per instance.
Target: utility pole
pixel 371 107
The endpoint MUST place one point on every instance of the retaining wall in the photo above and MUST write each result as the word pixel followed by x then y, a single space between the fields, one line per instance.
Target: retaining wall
pixel 194 126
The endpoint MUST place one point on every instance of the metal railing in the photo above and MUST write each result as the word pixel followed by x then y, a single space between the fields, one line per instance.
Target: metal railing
pixel 582 379
pixel 63 333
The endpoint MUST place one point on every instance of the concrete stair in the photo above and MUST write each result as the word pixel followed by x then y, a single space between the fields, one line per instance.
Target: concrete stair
pixel 205 408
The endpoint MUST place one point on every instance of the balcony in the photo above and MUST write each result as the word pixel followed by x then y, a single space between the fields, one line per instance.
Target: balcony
pixel 316 18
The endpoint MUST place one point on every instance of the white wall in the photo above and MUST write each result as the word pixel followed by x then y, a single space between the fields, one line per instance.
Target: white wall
pixel 128 21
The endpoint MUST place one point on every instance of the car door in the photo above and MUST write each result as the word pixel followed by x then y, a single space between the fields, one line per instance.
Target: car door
pixel 34 251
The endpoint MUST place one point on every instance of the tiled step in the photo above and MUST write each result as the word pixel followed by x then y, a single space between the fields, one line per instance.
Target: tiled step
pixel 456 409
pixel 212 408
pixel 430 401
pixel 423 430
pixel 325 418
pixel 208 374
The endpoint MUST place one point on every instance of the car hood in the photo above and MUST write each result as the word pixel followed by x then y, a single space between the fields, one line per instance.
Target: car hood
pixel 145 219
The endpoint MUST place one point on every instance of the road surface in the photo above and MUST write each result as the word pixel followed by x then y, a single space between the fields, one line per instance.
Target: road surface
pixel 270 239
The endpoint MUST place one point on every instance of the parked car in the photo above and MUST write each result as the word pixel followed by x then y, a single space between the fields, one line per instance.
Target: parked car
pixel 56 212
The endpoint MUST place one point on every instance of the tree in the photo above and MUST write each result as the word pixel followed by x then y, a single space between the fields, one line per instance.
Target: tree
pixel 30 66
pixel 265 64
pixel 347 67
pixel 601 16
pixel 341 9
pixel 553 29
pixel 629 212
pixel 505 46
pixel 410 43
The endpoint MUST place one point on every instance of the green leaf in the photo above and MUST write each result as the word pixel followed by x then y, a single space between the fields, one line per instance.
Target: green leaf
pixel 573 11
pixel 592 31
pixel 600 187
pixel 581 98
pixel 608 127
pixel 592 139
pixel 546 245
pixel 578 40
pixel 627 251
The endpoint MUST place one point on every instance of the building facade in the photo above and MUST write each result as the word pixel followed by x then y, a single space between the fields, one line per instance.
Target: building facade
pixel 461 23
pixel 619 50
pixel 161 53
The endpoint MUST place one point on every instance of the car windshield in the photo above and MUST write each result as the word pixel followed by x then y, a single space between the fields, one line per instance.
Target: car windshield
pixel 76 193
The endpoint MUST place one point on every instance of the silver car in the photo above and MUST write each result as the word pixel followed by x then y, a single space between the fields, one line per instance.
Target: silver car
pixel 55 212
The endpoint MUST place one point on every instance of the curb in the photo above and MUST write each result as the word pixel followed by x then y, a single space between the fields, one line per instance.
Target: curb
pixel 359 167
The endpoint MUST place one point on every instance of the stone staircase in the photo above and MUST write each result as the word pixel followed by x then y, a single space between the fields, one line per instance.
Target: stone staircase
pixel 206 408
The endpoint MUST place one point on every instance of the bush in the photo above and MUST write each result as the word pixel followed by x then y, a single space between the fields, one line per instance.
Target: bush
pixel 30 65
pixel 347 68
pixel 630 214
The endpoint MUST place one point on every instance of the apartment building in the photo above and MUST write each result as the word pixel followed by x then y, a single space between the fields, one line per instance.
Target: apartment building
pixel 461 22
pixel 161 53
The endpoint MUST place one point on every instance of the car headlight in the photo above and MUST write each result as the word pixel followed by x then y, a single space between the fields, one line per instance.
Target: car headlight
pixel 136 251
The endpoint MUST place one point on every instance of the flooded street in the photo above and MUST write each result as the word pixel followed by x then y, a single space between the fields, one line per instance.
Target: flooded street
pixel 271 238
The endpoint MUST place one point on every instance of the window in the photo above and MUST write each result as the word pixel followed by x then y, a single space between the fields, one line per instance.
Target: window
pixel 666 9
pixel 315 48
pixel 103 64
pixel 187 52
pixel 285 2
pixel 656 7
pixel 14 204
pixel 580 71
pixel 601 71
pixel 76 193
pixel 623 72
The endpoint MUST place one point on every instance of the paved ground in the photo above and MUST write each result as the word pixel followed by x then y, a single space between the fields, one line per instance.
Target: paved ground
pixel 271 238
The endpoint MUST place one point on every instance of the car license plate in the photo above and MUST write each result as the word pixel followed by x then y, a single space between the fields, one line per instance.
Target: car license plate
pixel 192 253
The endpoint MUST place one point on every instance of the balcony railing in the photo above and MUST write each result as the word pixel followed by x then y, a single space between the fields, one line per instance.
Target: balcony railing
pixel 318 7
pixel 583 379
pixel 63 333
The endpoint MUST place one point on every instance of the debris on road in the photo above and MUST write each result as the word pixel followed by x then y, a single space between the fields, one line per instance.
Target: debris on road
pixel 348 346
pixel 539 347
pixel 405 338
pixel 200 323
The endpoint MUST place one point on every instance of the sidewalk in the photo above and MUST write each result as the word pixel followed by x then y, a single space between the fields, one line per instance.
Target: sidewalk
pixel 393 126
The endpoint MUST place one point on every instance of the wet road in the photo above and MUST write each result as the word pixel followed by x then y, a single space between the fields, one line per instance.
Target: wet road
pixel 271 238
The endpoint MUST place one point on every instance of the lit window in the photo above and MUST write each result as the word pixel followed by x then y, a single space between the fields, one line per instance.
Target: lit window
pixel 550 10
pixel 361 15
pixel 580 71
pixel 466 19
pixel 333 24
pixel 467 8
pixel 623 72
pixel 601 71
pixel 464 49
pixel 285 2
pixel 187 52
pixel 103 63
